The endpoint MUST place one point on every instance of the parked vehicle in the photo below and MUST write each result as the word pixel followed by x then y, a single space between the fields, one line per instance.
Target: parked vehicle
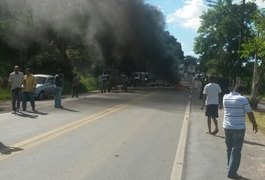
pixel 117 82
pixel 45 86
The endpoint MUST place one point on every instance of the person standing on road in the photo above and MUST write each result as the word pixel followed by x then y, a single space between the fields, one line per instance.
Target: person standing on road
pixel 211 93
pixel 124 80
pixel 59 77
pixel 75 85
pixel 204 81
pixel 236 107
pixel 15 81
pixel 28 86
pixel 104 81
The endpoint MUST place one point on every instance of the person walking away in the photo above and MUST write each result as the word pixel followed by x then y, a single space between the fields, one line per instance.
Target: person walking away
pixel 204 81
pixel 104 81
pixel 236 107
pixel 100 86
pixel 28 88
pixel 15 81
pixel 75 85
pixel 124 80
pixel 59 77
pixel 211 93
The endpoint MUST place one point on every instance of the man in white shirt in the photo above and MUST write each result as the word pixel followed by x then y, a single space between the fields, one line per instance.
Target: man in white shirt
pixel 15 81
pixel 236 107
pixel 211 93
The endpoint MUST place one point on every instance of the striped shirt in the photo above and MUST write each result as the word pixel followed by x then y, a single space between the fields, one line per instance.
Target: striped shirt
pixel 16 80
pixel 235 109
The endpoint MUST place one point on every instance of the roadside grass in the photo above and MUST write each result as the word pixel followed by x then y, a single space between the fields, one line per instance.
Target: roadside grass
pixel 5 94
pixel 260 118
pixel 86 84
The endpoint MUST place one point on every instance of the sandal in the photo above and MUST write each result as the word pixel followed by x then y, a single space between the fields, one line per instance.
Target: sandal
pixel 215 132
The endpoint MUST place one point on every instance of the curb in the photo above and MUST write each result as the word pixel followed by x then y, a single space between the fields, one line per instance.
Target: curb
pixel 177 172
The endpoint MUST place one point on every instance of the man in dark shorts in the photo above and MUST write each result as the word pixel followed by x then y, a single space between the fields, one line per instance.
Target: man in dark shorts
pixel 211 99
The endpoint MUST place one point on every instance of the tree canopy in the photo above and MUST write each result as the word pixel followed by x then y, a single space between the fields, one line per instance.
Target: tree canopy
pixel 231 43
pixel 220 37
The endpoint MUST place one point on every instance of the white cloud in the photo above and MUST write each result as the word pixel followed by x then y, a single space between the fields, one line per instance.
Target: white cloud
pixel 260 3
pixel 189 15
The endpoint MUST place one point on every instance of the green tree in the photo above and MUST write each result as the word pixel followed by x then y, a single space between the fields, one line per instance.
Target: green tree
pixel 219 39
pixel 254 50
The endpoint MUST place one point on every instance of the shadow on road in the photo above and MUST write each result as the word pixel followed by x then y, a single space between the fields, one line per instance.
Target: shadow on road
pixel 40 113
pixel 254 143
pixel 244 178
pixel 8 150
pixel 26 115
pixel 67 109
pixel 245 141
pixel 30 114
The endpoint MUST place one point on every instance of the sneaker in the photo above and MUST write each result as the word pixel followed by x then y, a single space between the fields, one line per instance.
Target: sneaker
pixel 215 132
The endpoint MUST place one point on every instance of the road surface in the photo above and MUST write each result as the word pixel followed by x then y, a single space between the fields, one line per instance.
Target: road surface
pixel 111 136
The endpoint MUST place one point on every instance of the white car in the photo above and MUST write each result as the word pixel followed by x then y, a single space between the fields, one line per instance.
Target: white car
pixel 45 86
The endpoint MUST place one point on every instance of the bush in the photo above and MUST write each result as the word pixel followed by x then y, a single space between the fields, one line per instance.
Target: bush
pixel 67 89
pixel 88 84
pixel 5 94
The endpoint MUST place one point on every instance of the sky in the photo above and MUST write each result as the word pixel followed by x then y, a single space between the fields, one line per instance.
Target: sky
pixel 182 19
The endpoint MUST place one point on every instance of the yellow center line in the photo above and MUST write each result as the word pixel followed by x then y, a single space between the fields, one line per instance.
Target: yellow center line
pixel 42 138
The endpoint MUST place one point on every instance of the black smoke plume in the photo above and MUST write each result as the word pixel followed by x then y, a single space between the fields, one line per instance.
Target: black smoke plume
pixel 125 32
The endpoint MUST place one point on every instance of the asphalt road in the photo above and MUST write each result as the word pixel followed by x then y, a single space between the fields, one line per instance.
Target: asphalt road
pixel 112 136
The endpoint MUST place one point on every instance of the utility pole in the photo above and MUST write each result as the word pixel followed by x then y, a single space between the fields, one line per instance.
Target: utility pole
pixel 242 23
pixel 241 37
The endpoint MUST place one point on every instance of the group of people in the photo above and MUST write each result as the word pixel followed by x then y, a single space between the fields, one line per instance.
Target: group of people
pixel 23 87
pixel 235 106
pixel 107 82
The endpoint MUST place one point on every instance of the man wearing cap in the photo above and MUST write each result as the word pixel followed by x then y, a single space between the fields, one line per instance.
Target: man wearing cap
pixel 29 85
pixel 15 81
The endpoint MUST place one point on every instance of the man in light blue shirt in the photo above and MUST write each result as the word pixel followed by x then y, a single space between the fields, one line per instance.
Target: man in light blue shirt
pixel 236 107
pixel 15 81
